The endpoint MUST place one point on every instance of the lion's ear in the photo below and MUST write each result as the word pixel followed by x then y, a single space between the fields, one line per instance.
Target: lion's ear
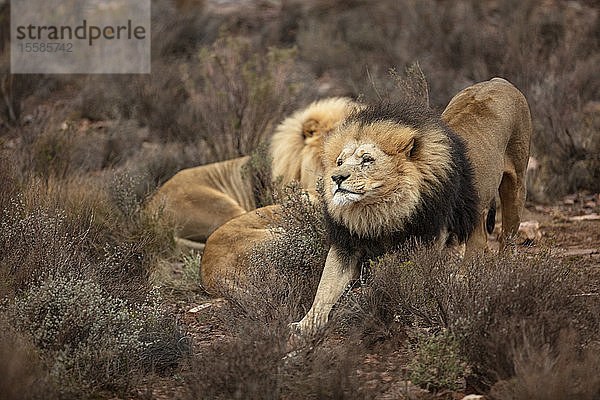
pixel 409 148
pixel 309 127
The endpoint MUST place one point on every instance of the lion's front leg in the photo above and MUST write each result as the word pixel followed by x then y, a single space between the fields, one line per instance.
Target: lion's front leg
pixel 338 271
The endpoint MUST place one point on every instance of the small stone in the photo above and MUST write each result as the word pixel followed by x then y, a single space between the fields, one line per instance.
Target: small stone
pixel 193 312
pixel 533 164
pixel 529 231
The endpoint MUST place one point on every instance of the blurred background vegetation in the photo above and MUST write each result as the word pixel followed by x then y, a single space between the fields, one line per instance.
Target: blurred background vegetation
pixel 225 72
pixel 79 156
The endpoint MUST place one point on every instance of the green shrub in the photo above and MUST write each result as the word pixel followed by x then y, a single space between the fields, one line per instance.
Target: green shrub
pixel 191 267
pixel 438 364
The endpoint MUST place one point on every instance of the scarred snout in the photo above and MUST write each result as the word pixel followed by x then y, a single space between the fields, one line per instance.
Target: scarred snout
pixel 340 177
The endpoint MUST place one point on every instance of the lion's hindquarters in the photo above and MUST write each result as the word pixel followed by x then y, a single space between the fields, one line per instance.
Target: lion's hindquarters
pixel 224 260
pixel 494 120
pixel 201 199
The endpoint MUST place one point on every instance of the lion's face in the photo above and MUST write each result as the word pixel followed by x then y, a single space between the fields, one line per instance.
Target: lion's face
pixel 376 174
pixel 358 175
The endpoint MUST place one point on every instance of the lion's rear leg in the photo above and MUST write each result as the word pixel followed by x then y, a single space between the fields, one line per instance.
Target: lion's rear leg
pixel 512 196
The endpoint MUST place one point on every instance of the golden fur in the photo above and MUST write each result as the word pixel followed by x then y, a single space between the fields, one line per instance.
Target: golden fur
pixel 379 174
pixel 297 157
pixel 203 198
pixel 224 259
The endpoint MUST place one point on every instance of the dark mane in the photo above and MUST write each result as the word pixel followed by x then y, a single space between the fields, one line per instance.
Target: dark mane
pixel 453 206
pixel 406 112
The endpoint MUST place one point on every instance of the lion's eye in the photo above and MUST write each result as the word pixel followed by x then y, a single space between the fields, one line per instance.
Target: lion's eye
pixel 367 160
pixel 340 162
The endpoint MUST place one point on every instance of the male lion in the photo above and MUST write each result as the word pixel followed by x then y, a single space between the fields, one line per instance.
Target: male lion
pixel 201 199
pixel 397 172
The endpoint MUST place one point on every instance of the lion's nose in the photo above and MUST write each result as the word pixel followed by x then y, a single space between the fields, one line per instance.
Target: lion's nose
pixel 340 178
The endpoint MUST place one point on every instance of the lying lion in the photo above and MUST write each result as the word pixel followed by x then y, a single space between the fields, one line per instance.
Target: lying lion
pixel 203 198
pixel 398 172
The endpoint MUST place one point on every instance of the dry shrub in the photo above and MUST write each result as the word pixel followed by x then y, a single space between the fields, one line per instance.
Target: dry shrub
pixel 437 364
pixel 236 97
pixel 112 97
pixel 258 171
pixel 55 226
pixel 549 51
pixel 52 145
pixel 298 248
pixel 75 269
pixel 561 372
pixel 258 363
pixel 505 297
pixel 258 359
pixel 228 96
pixel 496 305
pixel 36 244
pixel 8 182
pixel 92 341
pixel 155 164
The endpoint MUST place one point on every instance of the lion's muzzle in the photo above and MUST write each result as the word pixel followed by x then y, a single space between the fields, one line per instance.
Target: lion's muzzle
pixel 339 178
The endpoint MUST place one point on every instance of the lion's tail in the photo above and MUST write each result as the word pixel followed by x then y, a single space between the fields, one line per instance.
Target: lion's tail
pixel 490 221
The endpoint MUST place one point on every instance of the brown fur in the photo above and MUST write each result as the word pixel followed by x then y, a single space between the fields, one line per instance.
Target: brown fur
pixel 297 157
pixel 494 120
pixel 393 186
pixel 201 199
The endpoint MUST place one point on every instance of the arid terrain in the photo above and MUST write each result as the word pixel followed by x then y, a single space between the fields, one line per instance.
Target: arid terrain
pixel 97 302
